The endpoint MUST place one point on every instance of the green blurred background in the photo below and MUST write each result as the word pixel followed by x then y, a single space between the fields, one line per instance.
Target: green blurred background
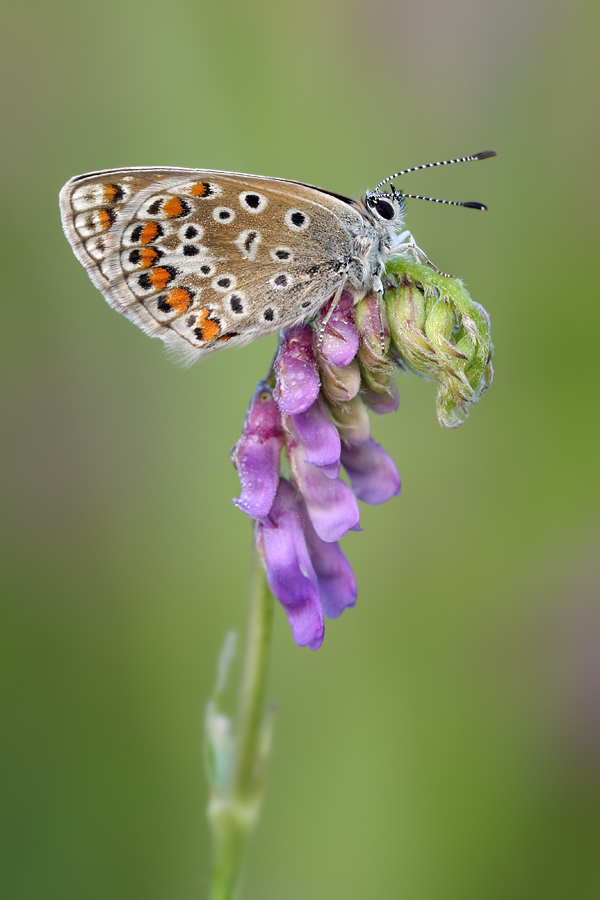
pixel 445 741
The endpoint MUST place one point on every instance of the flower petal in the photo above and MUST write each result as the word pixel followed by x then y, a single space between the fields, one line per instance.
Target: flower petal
pixel 331 471
pixel 317 435
pixel 256 455
pixel 339 338
pixel 296 372
pixel 382 402
pixel 337 584
pixel 372 472
pixel 290 572
pixel 331 505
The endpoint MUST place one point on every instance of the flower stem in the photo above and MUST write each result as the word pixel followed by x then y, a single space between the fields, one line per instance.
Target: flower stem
pixel 234 808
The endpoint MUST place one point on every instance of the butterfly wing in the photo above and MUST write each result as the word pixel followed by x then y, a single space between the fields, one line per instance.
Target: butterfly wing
pixel 202 258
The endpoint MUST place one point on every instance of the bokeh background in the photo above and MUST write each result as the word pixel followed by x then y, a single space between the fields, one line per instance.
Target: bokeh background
pixel 445 741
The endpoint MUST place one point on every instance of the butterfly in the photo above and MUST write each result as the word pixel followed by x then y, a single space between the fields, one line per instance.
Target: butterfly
pixel 203 259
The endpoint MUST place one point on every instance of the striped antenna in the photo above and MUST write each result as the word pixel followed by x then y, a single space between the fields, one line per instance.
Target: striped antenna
pixel 485 154
pixel 470 204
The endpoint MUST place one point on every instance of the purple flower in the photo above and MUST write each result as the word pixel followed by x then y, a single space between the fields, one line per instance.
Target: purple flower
pixel 290 572
pixel 331 505
pixel 319 426
pixel 296 372
pixel 339 338
pixel 382 403
pixel 372 472
pixel 318 436
pixel 256 455
pixel 337 584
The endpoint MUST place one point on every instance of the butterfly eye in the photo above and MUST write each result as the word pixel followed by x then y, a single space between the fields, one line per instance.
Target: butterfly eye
pixel 385 209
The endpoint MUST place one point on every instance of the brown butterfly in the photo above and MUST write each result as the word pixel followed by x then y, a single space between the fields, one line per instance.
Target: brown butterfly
pixel 201 258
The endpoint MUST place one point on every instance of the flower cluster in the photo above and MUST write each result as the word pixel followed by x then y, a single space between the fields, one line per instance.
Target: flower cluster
pixel 314 407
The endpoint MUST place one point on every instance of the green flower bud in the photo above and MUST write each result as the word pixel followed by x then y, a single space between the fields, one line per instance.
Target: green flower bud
pixel 340 383
pixel 372 330
pixel 373 350
pixel 352 421
pixel 438 331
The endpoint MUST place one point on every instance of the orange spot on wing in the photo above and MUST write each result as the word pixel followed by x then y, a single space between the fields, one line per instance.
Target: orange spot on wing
pixel 147 257
pixel 173 207
pixel 110 191
pixel 199 190
pixel 179 300
pixel 149 233
pixel 104 218
pixel 208 328
pixel 159 278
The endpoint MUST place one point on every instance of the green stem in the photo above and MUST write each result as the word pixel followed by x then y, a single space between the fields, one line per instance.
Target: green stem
pixel 234 812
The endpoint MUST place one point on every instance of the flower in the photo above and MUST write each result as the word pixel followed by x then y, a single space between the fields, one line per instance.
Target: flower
pixel 314 406
pixel 290 571
pixel 256 455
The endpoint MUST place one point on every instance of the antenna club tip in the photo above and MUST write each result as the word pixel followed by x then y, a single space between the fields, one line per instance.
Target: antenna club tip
pixel 472 205
pixel 485 154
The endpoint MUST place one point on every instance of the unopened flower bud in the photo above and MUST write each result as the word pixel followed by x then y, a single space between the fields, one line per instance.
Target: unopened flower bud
pixel 373 353
pixel 439 331
pixel 352 421
pixel 296 372
pixel 340 383
pixel 439 325
pixel 406 318
pixel 372 329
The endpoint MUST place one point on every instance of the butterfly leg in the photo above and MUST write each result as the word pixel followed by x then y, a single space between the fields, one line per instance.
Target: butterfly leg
pixel 325 321
pixel 410 245
pixel 378 288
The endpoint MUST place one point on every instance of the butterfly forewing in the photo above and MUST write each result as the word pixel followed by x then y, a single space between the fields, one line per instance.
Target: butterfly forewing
pixel 202 258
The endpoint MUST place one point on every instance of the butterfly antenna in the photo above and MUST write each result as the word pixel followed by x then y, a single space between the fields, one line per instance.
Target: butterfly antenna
pixel 485 154
pixel 470 204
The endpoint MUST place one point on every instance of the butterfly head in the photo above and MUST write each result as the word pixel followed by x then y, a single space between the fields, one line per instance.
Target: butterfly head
pixel 385 208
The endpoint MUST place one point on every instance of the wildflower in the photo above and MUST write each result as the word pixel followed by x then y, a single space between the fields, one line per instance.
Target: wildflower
pixel 372 472
pixel 257 454
pixel 291 575
pixel 296 374
pixel 314 406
